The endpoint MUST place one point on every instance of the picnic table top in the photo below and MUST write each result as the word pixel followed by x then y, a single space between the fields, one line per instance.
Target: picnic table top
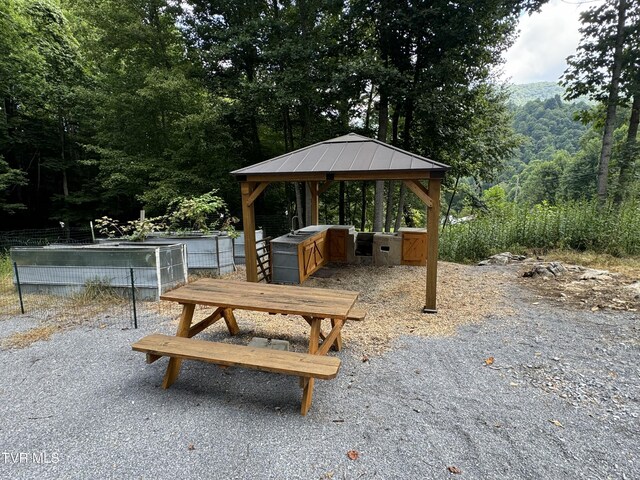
pixel 294 300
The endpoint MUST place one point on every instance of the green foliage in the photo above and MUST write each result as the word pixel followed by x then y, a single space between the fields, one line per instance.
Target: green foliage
pixel 134 230
pixel 6 268
pixel 495 199
pixel 205 213
pixel 579 225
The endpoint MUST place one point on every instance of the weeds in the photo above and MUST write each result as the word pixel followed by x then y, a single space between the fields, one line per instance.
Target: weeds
pixel 580 226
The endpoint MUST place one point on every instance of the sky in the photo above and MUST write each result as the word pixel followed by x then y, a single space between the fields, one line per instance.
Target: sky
pixel 546 39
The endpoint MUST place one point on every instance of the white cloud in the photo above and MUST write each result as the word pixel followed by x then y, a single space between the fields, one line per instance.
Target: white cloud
pixel 546 40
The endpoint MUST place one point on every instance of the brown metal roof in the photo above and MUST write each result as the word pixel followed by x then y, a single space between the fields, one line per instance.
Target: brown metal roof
pixel 350 153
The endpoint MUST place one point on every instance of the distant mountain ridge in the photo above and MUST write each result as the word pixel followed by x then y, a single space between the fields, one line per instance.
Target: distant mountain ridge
pixel 526 92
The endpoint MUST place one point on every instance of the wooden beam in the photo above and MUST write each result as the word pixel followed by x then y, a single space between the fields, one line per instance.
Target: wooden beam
pixel 333 337
pixel 315 203
pixel 206 322
pixel 249 228
pixel 256 193
pixel 287 177
pixel 433 227
pixel 386 175
pixel 325 186
pixel 420 190
pixel 355 176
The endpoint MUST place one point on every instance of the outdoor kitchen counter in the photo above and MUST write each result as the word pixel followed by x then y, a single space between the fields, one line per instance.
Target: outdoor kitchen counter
pixel 299 254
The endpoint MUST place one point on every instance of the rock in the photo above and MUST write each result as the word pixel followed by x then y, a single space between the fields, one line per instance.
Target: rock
pixel 546 270
pixel 593 274
pixel 503 258
pixel 635 288
pixel 556 268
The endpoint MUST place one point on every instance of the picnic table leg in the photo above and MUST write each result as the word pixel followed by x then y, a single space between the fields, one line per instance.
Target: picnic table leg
pixel 173 369
pixel 230 320
pixel 337 345
pixel 307 392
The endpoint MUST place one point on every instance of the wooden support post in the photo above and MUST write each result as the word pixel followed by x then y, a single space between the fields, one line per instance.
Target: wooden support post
pixel 433 227
pixel 315 203
pixel 230 320
pixel 173 369
pixel 307 392
pixel 338 343
pixel 256 193
pixel 249 228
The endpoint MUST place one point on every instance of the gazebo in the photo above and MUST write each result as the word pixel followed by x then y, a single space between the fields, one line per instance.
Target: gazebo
pixel 350 157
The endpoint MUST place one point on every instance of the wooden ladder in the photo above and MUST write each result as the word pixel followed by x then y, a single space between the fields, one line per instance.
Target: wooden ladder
pixel 263 251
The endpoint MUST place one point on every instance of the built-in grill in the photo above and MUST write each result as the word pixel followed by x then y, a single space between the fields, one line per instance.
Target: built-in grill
pixel 364 244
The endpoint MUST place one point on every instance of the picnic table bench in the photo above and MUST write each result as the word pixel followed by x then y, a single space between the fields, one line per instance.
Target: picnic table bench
pixel 312 304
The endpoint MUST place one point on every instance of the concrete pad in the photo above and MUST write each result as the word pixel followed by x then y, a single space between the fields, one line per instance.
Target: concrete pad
pixel 272 343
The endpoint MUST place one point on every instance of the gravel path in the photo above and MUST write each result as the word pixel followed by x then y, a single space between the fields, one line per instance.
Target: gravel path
pixel 559 400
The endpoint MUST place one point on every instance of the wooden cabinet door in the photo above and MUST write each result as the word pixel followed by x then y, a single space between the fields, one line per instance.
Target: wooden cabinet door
pixel 414 248
pixel 320 251
pixel 312 255
pixel 308 260
pixel 337 245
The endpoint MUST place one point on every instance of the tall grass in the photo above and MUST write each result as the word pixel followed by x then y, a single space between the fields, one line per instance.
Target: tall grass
pixel 581 226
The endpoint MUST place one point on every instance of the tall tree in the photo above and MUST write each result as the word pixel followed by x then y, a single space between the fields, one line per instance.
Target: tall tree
pixel 159 133
pixel 597 70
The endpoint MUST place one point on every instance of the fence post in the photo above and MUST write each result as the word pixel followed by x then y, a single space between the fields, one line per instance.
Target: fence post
pixel 218 253
pixel 133 300
pixel 15 268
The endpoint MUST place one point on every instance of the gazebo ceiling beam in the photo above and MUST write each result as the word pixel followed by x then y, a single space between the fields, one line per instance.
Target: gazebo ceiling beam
pixel 400 175
pixel 325 177
pixel 421 191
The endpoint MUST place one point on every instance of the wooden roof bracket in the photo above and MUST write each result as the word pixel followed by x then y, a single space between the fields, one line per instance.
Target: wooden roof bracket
pixel 420 190
pixel 325 186
pixel 256 193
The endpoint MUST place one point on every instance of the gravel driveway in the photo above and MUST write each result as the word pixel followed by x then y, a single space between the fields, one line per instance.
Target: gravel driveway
pixel 558 399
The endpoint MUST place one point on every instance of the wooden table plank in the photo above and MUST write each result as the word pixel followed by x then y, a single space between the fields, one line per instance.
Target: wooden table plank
pixel 293 300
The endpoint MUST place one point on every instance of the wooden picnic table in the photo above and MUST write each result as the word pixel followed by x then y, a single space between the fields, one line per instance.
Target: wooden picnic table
pixel 312 304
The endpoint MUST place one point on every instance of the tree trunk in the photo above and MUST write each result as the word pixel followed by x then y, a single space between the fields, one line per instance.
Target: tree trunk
pixel 65 183
pixel 299 209
pixel 367 116
pixel 341 201
pixel 408 121
pixel 363 212
pixel 629 151
pixel 383 122
pixel 389 212
pixel 395 120
pixel 403 193
pixel 307 204
pixel 612 102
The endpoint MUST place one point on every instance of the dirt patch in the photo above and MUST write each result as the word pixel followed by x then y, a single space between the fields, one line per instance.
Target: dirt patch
pixel 26 338
pixel 581 288
pixel 393 298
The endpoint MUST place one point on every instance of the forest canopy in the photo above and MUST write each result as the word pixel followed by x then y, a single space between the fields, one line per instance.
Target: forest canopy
pixel 111 107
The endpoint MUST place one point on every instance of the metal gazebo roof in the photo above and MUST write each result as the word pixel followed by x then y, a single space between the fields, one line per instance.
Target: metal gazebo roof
pixel 350 154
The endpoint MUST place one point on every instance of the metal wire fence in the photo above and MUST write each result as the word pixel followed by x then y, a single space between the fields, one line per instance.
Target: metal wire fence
pixel 44 236
pixel 78 291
